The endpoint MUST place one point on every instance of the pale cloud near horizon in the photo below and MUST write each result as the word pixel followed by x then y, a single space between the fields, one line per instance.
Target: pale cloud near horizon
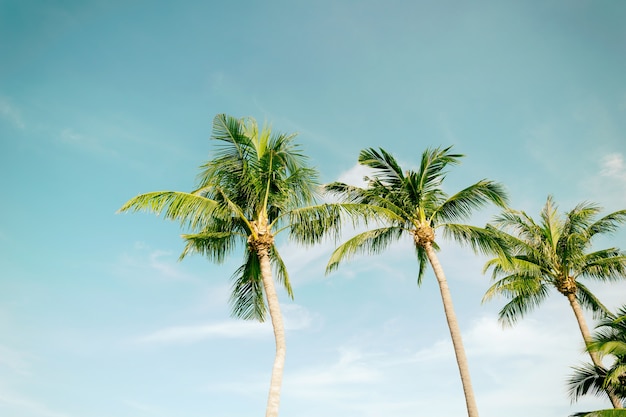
pixel 295 318
pixel 194 333
pixel 511 362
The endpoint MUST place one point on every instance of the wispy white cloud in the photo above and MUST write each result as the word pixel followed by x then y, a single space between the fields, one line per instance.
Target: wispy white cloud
pixel 355 175
pixel 295 318
pixel 189 334
pixel 608 185
pixel 613 167
pixel 11 113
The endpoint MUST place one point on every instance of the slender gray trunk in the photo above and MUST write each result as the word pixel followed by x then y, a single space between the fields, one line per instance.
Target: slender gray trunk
pixel 273 400
pixel 584 330
pixel 455 331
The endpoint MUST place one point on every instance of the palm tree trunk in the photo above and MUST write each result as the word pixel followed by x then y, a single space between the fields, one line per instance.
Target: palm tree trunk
pixel 273 400
pixel 582 324
pixel 455 331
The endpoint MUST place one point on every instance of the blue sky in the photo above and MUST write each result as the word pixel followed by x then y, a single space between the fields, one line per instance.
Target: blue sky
pixel 103 100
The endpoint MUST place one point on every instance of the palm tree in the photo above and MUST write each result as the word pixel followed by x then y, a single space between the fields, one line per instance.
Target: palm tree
pixel 257 185
pixel 609 339
pixel 412 203
pixel 555 254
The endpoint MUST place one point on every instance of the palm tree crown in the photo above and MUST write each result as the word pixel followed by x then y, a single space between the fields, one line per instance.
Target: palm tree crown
pixel 244 197
pixel 413 203
pixel 553 254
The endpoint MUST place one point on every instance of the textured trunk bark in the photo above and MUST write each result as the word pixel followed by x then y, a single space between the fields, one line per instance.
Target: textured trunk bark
pixel 455 332
pixel 582 324
pixel 273 400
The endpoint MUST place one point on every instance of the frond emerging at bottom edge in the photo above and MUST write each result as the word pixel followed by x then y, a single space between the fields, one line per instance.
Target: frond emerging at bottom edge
pixel 601 413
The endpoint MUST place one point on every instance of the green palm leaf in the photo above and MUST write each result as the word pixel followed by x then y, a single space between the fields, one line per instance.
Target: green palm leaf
pixel 190 210
pixel 246 298
pixel 587 299
pixel 461 205
pixel 601 413
pixel 371 242
pixel 216 246
pixel 280 271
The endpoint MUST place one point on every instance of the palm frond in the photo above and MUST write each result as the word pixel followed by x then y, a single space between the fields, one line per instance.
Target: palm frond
pixel 422 261
pixel 433 163
pixel 515 266
pixel 280 271
pixel 188 209
pixel 586 379
pixel 609 347
pixel 461 205
pixel 588 300
pixel 301 187
pixel 310 224
pixel 481 240
pixel 603 265
pixel 214 245
pixel 233 150
pixel 581 216
pixel 372 242
pixel 386 168
pixel 616 376
pixel 519 224
pixel 608 224
pixel 525 294
pixel 347 193
pixel 612 412
pixel 246 298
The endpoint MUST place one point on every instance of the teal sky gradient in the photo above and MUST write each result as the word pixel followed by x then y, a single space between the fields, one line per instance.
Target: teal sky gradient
pixel 103 100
